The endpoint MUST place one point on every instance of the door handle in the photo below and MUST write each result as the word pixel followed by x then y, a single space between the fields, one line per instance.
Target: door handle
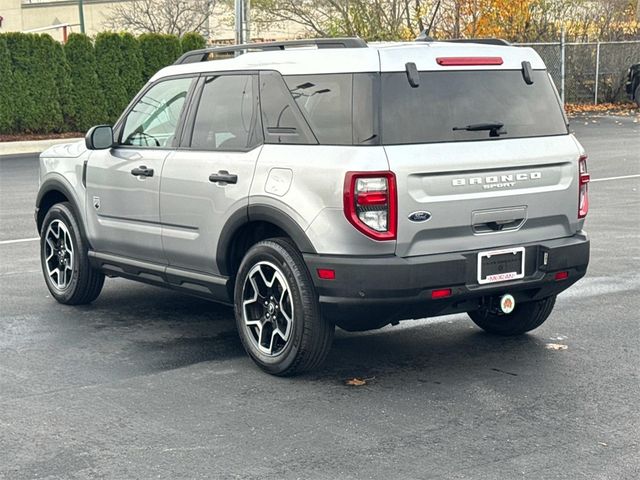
pixel 223 177
pixel 142 171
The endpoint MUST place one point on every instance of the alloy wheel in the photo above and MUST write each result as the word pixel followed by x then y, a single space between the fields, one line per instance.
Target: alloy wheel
pixel 58 252
pixel 267 308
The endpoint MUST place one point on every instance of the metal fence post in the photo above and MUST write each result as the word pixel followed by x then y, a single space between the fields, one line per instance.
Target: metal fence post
pixel 595 99
pixel 562 68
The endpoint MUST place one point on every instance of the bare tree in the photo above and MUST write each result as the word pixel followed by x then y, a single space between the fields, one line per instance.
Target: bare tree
pixel 175 17
pixel 369 19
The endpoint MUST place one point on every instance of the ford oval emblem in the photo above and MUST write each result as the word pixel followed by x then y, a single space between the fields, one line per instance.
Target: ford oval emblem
pixel 419 216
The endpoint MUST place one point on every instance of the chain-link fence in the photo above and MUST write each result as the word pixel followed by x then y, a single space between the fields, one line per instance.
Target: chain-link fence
pixel 589 72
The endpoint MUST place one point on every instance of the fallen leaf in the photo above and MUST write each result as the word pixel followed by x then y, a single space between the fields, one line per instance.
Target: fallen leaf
pixel 355 382
pixel 555 346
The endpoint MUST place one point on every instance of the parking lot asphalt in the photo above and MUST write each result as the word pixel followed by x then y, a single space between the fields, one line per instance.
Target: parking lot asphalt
pixel 149 383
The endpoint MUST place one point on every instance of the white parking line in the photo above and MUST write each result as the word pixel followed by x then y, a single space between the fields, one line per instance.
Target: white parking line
pixel 614 178
pixel 19 240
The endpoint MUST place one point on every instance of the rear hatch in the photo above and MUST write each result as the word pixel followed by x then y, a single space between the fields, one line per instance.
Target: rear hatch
pixel 482 159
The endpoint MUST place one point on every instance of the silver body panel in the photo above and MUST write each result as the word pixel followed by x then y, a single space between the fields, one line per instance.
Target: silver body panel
pixel 176 217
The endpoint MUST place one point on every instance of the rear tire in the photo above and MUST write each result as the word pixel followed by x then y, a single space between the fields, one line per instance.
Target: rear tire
pixel 277 310
pixel 64 259
pixel 525 317
pixel 637 95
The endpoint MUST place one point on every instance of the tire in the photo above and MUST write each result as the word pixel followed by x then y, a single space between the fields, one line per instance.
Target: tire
pixel 524 318
pixel 637 95
pixel 277 310
pixel 62 247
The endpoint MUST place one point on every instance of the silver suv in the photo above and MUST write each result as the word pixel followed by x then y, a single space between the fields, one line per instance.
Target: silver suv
pixel 328 182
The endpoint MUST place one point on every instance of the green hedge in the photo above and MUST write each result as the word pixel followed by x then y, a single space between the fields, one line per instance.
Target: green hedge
pixel 6 88
pixel 87 92
pixel 46 87
pixel 192 41
pixel 158 51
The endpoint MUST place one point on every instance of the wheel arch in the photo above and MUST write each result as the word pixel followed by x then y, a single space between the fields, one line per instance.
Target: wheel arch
pixel 54 191
pixel 255 223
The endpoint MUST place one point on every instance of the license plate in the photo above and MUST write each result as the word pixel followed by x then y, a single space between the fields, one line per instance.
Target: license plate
pixel 501 265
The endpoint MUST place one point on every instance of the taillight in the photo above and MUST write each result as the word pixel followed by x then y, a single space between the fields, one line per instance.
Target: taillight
pixel 370 203
pixel 583 189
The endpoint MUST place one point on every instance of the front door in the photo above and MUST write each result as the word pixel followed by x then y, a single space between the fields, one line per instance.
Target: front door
pixel 208 180
pixel 123 182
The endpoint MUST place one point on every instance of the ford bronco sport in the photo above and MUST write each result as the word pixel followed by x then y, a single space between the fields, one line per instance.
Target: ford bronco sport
pixel 328 182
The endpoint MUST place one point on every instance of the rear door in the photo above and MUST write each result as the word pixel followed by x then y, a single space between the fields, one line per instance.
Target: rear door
pixel 123 182
pixel 206 182
pixel 464 181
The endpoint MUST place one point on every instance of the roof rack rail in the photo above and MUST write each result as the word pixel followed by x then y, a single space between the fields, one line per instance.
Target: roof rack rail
pixel 487 41
pixel 195 56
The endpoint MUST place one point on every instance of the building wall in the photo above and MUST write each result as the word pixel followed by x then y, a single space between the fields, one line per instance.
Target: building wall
pixel 23 15
pixel 11 13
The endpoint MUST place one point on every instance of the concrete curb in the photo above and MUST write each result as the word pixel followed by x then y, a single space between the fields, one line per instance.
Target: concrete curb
pixel 32 146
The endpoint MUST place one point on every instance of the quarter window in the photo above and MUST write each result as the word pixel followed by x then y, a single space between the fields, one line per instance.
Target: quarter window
pixel 226 116
pixel 154 119
pixel 338 107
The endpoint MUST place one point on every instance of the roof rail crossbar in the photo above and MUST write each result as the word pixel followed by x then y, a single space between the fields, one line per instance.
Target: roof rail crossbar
pixel 487 41
pixel 202 55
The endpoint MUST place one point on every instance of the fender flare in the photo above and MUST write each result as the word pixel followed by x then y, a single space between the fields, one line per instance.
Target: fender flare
pixel 259 213
pixel 58 185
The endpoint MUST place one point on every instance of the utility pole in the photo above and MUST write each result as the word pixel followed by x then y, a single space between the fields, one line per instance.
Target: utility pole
pixel 81 14
pixel 242 16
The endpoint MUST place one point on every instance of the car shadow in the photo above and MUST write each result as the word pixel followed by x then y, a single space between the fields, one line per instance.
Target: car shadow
pixel 163 330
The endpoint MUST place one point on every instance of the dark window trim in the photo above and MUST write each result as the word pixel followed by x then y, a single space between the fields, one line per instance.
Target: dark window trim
pixel 119 126
pixel 194 105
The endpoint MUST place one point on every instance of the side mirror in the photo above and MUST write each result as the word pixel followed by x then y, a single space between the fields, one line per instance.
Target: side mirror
pixel 99 137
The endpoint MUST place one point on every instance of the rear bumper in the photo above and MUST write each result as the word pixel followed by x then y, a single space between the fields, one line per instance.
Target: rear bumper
pixel 377 290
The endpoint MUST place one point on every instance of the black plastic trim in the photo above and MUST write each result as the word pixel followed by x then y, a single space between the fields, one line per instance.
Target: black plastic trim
pixel 258 213
pixel 212 287
pixel 389 287
pixel 56 185
pixel 268 213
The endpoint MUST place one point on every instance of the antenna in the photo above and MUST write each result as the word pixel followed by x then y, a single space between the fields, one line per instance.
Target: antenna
pixel 433 18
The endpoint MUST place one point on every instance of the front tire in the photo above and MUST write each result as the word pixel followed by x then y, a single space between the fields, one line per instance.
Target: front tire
pixel 524 318
pixel 64 259
pixel 277 311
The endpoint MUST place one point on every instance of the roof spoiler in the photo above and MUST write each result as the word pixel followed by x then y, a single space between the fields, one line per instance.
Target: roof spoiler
pixel 195 56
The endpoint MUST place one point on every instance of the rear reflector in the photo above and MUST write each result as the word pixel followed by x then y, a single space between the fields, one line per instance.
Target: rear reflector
pixel 562 276
pixel 468 61
pixel 441 293
pixel 326 274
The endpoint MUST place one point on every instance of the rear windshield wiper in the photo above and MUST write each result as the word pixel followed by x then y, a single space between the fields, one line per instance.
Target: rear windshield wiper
pixel 494 128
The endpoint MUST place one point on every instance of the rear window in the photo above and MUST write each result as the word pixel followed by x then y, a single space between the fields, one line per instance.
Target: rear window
pixel 458 99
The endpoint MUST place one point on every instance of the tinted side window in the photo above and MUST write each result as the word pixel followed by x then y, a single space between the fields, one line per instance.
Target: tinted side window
pixel 226 116
pixel 338 107
pixel 154 119
pixel 281 118
pixel 325 101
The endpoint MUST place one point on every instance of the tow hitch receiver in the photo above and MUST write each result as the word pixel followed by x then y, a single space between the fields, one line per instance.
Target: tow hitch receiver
pixel 507 303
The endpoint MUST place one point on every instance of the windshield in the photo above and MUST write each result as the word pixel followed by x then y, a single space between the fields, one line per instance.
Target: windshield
pixel 468 105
